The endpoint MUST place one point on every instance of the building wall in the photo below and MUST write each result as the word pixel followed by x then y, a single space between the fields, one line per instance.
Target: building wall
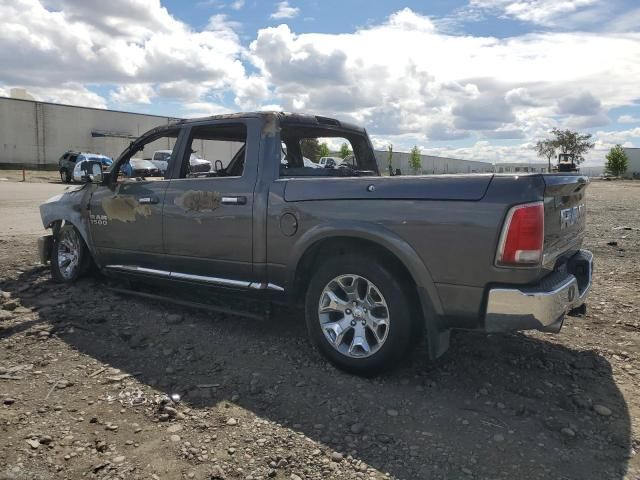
pixel 431 164
pixel 592 171
pixel 36 134
pixel 521 167
pixel 633 169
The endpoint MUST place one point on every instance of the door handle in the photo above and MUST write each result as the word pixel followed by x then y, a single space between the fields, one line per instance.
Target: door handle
pixel 234 200
pixel 148 200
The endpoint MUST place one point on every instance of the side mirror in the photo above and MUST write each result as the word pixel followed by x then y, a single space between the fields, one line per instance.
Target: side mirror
pixel 218 165
pixel 89 171
pixel 96 173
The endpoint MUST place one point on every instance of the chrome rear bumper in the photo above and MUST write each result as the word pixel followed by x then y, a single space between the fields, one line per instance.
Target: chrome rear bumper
pixel 542 306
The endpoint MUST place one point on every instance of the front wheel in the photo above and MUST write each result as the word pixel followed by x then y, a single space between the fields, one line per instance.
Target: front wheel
pixel 358 314
pixel 69 256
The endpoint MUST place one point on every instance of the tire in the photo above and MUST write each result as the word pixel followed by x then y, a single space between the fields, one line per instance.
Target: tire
pixel 65 176
pixel 70 257
pixel 337 328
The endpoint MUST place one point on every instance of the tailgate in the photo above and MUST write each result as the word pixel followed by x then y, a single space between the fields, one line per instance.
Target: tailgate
pixel 564 216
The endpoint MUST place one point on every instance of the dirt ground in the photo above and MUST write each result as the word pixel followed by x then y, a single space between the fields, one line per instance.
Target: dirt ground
pixel 95 384
pixel 30 176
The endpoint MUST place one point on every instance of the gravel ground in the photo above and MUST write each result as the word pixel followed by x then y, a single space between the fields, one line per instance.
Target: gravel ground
pixel 95 384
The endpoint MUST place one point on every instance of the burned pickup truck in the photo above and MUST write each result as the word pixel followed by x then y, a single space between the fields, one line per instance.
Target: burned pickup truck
pixel 377 262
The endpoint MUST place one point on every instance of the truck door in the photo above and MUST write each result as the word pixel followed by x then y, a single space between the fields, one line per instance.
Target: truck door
pixel 126 216
pixel 208 211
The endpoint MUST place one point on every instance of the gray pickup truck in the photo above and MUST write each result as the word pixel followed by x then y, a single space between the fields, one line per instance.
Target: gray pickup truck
pixel 377 262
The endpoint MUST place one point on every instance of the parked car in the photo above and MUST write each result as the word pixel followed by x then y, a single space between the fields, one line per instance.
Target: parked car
pixel 310 163
pixel 307 162
pixel 329 162
pixel 143 168
pixel 199 165
pixel 82 162
pixel 161 160
pixel 67 162
pixel 376 262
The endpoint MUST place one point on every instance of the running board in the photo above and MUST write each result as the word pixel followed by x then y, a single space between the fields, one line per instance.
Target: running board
pixel 200 306
pixel 225 282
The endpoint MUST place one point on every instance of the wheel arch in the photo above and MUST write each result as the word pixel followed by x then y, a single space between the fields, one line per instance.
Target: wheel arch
pixel 381 242
pixel 340 237
pixel 55 215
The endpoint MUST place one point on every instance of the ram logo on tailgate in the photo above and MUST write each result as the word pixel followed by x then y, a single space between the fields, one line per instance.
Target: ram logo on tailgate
pixel 570 216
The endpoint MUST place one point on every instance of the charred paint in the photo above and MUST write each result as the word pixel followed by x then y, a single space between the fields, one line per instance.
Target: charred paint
pixel 198 201
pixel 271 125
pixel 124 208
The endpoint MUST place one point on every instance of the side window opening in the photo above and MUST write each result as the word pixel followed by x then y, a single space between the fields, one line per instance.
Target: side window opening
pixel 215 151
pixel 153 159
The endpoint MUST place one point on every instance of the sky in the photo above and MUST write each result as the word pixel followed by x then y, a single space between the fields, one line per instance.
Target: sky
pixel 474 79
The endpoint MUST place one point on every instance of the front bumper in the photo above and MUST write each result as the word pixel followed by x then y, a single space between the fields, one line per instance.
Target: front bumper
pixel 542 306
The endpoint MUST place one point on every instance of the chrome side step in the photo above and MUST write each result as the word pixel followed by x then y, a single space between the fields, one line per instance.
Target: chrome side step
pixel 227 282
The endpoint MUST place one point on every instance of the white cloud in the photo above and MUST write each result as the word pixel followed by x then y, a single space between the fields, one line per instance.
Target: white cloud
pixel 404 79
pixel 442 87
pixel 237 5
pixel 70 93
pixel 122 42
pixel 251 92
pixel 133 93
pixel 205 109
pixel 541 12
pixel 628 119
pixel 285 11
pixel 583 103
pixel 622 136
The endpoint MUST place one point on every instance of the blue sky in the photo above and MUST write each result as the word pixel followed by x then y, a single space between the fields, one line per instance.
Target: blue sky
pixel 478 79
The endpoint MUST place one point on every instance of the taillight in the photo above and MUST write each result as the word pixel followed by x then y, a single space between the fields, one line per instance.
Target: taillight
pixel 522 236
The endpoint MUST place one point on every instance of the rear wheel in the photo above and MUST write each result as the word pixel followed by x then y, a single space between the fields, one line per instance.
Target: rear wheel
pixel 69 256
pixel 65 176
pixel 358 314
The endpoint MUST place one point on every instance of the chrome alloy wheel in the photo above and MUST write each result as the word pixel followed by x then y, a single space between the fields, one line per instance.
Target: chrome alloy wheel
pixel 68 253
pixel 354 316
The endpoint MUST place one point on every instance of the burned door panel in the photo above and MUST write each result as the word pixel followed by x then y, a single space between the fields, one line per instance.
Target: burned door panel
pixel 208 221
pixel 126 223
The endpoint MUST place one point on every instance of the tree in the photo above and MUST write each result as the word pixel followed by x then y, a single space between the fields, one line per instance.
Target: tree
pixel 345 151
pixel 617 161
pixel 546 149
pixel 324 150
pixel 310 148
pixel 415 160
pixel 568 141
pixel 390 158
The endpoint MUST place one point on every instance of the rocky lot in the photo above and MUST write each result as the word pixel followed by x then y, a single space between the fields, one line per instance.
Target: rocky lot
pixel 95 384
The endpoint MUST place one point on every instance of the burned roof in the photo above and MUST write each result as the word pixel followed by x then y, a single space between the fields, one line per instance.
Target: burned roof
pixel 284 117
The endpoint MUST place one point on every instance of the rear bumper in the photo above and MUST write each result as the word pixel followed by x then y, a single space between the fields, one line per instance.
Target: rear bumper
pixel 542 306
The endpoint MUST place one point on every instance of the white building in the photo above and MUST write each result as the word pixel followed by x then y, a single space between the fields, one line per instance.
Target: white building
pixel 35 134
pixel 633 168
pixel 521 167
pixel 430 164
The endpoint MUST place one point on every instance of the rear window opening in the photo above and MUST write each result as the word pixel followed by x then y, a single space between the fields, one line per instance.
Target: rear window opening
pixel 324 152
